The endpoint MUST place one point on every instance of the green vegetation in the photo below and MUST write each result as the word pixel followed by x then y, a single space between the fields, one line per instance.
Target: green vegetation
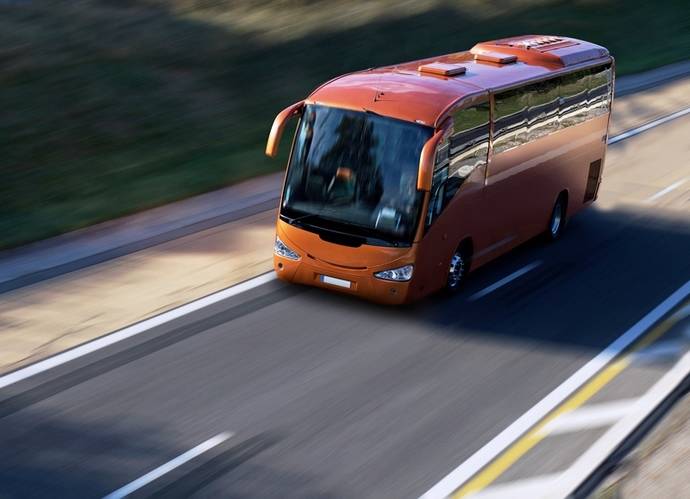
pixel 113 106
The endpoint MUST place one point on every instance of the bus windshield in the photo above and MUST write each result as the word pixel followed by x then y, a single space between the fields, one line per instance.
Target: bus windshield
pixel 355 173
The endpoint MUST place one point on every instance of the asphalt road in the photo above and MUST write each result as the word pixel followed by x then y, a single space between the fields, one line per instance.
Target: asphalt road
pixel 327 396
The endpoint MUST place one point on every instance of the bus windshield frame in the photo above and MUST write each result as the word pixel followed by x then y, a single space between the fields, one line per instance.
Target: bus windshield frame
pixel 352 177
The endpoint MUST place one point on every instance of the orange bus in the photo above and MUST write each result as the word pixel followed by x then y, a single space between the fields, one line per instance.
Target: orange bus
pixel 402 179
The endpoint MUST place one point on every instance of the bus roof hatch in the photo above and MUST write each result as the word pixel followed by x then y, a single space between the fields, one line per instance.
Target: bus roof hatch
pixel 442 69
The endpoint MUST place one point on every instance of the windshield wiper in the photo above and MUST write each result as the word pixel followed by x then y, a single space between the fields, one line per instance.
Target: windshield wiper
pixel 302 217
pixel 375 234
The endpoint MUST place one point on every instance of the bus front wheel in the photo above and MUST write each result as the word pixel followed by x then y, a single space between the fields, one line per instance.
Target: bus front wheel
pixel 459 264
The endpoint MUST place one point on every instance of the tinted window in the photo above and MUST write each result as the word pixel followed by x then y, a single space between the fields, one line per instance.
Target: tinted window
pixel 459 155
pixel 469 144
pixel 599 91
pixel 528 113
pixel 510 127
pixel 542 113
pixel 573 93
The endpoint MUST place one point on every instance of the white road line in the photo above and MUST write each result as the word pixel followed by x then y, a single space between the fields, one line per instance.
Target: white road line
pixel 589 416
pixel 529 487
pixel 648 126
pixel 504 439
pixel 665 191
pixel 504 281
pixel 595 456
pixel 133 330
pixel 169 466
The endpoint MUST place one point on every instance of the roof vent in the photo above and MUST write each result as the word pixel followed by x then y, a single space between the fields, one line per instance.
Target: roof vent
pixel 497 57
pixel 442 69
pixel 538 42
pixel 534 42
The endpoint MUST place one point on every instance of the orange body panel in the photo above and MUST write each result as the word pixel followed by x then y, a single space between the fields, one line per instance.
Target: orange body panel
pixel 501 204
pixel 356 265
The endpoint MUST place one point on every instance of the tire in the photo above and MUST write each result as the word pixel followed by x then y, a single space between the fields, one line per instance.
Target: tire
pixel 557 219
pixel 459 265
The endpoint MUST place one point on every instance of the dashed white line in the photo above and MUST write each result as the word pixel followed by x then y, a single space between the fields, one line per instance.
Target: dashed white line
pixel 169 466
pixel 133 330
pixel 590 416
pixel 647 126
pixel 507 279
pixel 665 191
pixel 470 467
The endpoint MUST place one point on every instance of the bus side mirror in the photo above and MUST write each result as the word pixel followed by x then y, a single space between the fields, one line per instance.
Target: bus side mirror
pixel 279 125
pixel 427 159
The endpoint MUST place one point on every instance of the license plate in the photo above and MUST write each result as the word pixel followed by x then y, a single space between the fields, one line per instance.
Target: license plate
pixel 334 281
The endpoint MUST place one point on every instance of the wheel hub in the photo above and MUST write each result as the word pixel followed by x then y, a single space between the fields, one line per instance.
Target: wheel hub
pixel 456 270
pixel 556 220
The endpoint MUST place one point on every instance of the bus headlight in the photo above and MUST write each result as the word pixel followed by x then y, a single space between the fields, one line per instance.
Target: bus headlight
pixel 282 249
pixel 399 274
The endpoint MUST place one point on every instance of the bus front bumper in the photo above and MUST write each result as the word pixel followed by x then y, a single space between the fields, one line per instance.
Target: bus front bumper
pixel 360 283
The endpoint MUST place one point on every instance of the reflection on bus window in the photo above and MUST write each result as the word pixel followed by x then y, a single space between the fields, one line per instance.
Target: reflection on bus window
pixel 510 127
pixel 528 113
pixel 459 155
pixel 356 172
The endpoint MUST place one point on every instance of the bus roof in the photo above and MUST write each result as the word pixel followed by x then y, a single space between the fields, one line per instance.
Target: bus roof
pixel 422 91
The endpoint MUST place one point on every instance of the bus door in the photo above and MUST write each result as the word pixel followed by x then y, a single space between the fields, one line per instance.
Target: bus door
pixel 457 205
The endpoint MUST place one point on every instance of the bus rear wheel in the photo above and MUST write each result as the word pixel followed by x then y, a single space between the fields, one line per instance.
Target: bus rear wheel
pixel 459 264
pixel 557 220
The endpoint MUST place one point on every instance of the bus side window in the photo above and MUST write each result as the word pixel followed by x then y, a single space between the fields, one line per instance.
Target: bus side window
pixel 528 113
pixel 573 108
pixel 599 91
pixel 459 155
pixel 469 144
pixel 542 113
pixel 438 189
pixel 510 126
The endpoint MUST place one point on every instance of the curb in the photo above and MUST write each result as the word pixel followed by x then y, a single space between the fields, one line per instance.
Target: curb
pixel 642 81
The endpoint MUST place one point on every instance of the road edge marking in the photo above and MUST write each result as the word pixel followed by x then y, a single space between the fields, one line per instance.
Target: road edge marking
pixel 588 463
pixel 486 476
pixel 165 468
pixel 525 487
pixel 523 444
pixel 590 416
pixel 132 330
pixel 492 449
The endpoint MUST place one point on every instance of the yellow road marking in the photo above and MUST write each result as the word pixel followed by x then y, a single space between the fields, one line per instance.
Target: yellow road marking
pixel 521 446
